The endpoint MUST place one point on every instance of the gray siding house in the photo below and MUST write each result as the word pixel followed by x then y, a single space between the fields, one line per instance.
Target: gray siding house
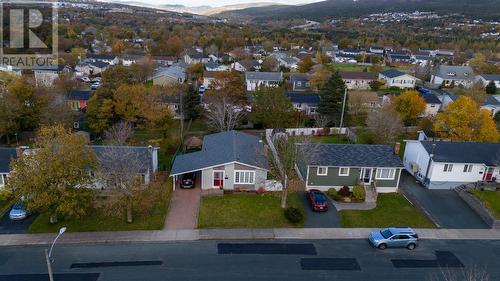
pixel 229 161
pixel 325 166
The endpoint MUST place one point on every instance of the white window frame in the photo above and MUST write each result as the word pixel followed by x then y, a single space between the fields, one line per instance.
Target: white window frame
pixel 244 173
pixel 344 174
pixel 322 174
pixel 467 168
pixel 447 168
pixel 391 176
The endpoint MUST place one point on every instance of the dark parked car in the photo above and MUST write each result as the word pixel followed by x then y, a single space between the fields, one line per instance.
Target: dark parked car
pixel 188 180
pixel 318 200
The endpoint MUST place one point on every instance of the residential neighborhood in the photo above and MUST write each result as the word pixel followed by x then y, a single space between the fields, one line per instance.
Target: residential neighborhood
pixel 338 140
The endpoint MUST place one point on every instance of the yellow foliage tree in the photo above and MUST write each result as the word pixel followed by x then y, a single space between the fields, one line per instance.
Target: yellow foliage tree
pixel 410 106
pixel 462 120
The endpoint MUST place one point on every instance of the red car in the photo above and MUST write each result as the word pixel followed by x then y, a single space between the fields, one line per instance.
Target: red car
pixel 318 200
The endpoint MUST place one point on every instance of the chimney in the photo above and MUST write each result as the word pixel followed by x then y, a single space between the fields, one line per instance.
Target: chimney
pixel 397 147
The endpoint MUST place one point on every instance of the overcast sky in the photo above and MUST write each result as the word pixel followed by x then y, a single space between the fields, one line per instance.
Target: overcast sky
pixel 217 3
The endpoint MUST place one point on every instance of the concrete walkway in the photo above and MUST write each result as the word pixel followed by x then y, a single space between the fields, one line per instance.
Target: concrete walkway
pixel 232 234
pixel 183 211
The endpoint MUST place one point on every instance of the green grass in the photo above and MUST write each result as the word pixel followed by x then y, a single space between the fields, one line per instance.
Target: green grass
pixel 491 200
pixel 330 139
pixel 392 210
pixel 246 211
pixel 96 221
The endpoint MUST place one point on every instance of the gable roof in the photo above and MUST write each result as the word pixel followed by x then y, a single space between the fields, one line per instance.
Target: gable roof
pixel 299 97
pixel 222 148
pixel 176 71
pixel 392 73
pixel 349 155
pixel 267 76
pixel 490 77
pixel 104 153
pixel 464 152
pixel 79 95
pixel 6 155
pixel 430 98
pixel 357 75
pixel 455 72
pixel 299 77
pixel 491 100
pixel 99 64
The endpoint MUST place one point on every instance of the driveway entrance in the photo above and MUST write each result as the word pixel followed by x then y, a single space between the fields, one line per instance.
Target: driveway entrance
pixel 444 207
pixel 184 206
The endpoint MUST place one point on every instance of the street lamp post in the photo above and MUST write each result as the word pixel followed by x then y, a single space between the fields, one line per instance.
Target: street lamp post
pixel 48 254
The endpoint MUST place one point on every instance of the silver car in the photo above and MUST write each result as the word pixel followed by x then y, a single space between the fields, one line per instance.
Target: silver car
pixel 18 212
pixel 394 237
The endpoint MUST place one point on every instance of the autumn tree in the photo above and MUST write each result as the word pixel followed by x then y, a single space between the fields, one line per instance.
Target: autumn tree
pixel 319 76
pixel 226 101
pixel 410 106
pixel 322 58
pixel 271 107
pixel 463 120
pixel 270 64
pixel 305 64
pixel 54 176
pixel 385 124
pixel 332 95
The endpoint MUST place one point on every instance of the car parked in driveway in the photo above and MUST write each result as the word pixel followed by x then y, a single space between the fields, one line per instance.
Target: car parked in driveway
pixel 18 212
pixel 188 180
pixel 318 200
pixel 394 237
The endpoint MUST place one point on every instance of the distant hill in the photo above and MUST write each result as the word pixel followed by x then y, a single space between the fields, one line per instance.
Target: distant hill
pixel 485 9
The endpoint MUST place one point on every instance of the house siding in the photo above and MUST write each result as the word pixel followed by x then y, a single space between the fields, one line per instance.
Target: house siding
pixel 332 179
pixel 259 180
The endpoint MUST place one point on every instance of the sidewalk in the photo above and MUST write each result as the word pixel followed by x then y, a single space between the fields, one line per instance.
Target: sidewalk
pixel 233 234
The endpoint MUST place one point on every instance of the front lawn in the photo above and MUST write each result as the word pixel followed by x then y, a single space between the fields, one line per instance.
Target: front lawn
pixel 246 211
pixel 491 199
pixel 96 221
pixel 392 210
pixel 330 139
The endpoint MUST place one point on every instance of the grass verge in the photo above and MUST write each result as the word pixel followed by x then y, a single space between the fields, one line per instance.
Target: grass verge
pixel 246 211
pixel 491 199
pixel 392 210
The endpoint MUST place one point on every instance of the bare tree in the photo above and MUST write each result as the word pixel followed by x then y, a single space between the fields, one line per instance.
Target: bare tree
pixel 223 115
pixel 321 120
pixel 386 124
pixel 122 171
pixel 472 274
pixel 285 153
pixel 119 133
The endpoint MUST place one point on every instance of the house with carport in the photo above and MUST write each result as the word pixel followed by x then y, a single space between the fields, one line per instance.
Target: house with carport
pixel 227 161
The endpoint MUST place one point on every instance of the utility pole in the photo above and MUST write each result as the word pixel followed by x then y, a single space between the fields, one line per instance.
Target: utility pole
pixel 343 108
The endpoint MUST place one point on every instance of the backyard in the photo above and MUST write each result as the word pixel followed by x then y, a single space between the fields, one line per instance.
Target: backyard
pixel 330 139
pixel 95 220
pixel 491 199
pixel 246 211
pixel 392 210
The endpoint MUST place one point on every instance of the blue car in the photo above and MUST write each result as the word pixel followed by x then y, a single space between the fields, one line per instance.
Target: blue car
pixel 18 212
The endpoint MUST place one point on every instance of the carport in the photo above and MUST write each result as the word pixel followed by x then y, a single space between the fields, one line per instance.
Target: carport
pixel 176 179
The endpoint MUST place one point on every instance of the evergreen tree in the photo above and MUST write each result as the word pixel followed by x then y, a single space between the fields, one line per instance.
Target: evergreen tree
pixel 332 98
pixel 491 88
pixel 191 103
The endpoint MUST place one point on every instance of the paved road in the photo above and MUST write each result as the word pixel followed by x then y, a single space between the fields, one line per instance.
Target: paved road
pixel 444 206
pixel 317 219
pixel 344 260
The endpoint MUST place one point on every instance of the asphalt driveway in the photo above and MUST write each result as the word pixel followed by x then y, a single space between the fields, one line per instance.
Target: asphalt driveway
pixel 7 226
pixel 319 219
pixel 445 207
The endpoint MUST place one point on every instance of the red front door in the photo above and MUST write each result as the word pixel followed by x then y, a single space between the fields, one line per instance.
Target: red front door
pixel 488 176
pixel 218 178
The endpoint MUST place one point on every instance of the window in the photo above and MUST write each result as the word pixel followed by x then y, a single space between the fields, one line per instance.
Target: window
pixel 467 168
pixel 385 174
pixel 448 167
pixel 322 171
pixel 343 171
pixel 244 177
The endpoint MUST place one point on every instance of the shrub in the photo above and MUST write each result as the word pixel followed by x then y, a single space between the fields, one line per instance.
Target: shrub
pixel 294 215
pixel 332 192
pixel 358 192
pixel 344 191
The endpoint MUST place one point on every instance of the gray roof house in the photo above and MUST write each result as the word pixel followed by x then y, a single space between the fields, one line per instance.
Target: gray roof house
pixel 453 75
pixel 170 75
pixel 6 155
pixel 396 78
pixel 228 161
pixel 255 79
pixel 447 164
pixel 325 166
